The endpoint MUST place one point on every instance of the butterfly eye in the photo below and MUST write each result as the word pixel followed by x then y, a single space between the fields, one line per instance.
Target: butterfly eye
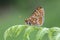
pixel 29 23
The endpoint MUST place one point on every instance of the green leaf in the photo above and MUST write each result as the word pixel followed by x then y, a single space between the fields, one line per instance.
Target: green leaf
pixel 53 32
pixel 14 31
pixel 27 32
pixel 57 36
pixel 41 33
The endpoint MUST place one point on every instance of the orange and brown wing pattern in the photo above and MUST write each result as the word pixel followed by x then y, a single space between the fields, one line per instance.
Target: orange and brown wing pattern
pixel 37 17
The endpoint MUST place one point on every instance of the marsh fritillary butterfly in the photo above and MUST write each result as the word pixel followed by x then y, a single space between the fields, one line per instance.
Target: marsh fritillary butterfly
pixel 37 17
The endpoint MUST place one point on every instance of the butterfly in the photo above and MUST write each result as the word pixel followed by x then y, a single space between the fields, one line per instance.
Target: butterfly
pixel 37 17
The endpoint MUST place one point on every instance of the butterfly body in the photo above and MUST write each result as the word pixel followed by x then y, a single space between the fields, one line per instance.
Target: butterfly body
pixel 37 18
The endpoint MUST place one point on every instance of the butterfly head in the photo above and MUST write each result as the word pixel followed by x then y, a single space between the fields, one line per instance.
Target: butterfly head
pixel 27 21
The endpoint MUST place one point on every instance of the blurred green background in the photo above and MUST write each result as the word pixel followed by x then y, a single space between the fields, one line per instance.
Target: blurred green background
pixel 14 12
